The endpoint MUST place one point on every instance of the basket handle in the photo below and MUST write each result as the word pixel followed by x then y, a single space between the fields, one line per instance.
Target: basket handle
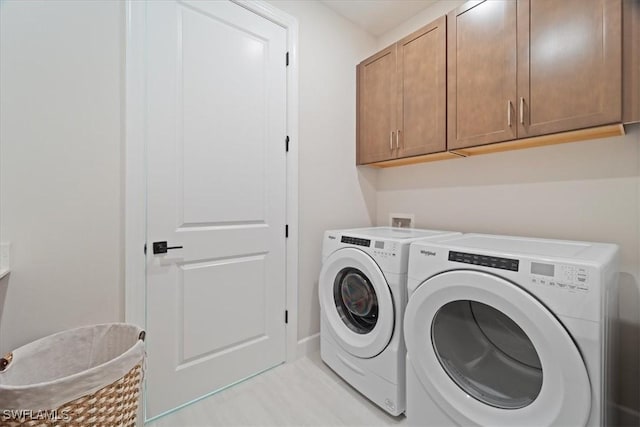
pixel 142 335
pixel 4 362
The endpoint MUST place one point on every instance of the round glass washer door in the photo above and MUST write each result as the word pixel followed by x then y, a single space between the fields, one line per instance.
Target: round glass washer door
pixel 489 353
pixel 356 302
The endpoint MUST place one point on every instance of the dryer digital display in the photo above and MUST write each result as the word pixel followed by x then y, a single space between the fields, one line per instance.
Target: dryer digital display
pixel 542 269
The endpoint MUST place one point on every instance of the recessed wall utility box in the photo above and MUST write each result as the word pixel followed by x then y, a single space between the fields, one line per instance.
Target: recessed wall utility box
pixel 402 220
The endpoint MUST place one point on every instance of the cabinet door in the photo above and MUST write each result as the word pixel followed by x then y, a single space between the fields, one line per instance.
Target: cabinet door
pixel 481 73
pixel 377 97
pixel 569 65
pixel 630 61
pixel 422 72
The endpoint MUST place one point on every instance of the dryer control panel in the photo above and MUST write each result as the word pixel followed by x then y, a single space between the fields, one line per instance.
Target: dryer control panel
pixel 561 276
pixel 484 260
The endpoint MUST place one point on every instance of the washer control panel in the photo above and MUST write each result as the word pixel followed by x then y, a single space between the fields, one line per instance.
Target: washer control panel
pixel 566 277
pixel 356 241
pixel 385 249
pixel 380 248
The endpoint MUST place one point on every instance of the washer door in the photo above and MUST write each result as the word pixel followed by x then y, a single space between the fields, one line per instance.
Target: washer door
pixel 489 353
pixel 356 302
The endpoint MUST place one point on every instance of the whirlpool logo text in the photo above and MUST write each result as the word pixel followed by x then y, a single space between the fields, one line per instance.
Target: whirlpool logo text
pixel 427 253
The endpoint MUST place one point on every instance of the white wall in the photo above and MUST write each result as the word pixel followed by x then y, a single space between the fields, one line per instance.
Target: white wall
pixel 420 19
pixel 60 166
pixel 333 193
pixel 583 191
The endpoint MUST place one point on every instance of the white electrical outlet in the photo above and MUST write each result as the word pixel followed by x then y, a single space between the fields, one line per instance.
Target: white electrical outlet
pixel 402 220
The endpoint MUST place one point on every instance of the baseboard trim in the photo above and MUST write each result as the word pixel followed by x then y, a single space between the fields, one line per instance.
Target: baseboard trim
pixel 308 345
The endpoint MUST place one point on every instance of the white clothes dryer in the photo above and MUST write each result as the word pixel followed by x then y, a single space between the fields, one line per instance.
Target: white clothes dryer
pixel 362 290
pixel 508 331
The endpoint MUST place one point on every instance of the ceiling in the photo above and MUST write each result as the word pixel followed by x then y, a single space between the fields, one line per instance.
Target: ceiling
pixel 377 16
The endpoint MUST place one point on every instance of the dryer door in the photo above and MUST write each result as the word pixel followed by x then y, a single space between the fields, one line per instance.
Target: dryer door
pixel 356 302
pixel 489 353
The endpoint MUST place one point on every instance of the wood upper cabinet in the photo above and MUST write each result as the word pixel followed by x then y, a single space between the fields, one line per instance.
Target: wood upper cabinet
pixel 566 56
pixel 376 119
pixel 481 72
pixel 514 72
pixel 402 97
pixel 422 106
pixel 569 65
pixel 631 61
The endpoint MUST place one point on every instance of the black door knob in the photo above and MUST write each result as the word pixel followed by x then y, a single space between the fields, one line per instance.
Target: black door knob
pixel 162 248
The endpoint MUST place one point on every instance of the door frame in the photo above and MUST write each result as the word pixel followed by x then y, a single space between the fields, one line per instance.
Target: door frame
pixel 134 152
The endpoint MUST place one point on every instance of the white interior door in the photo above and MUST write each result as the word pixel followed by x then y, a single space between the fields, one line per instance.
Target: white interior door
pixel 215 131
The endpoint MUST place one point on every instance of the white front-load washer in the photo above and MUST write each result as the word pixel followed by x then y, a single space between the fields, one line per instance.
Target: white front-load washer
pixel 362 290
pixel 508 331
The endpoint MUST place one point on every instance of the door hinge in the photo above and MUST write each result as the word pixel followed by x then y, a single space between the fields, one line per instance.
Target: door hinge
pixel 286 316
pixel 287 58
pixel 145 248
pixel 286 141
pixel 286 230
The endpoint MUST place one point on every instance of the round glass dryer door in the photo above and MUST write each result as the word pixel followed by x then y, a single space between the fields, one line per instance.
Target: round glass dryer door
pixel 356 302
pixel 489 353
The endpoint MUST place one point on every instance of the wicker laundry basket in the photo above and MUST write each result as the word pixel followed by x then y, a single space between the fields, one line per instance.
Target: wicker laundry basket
pixel 84 377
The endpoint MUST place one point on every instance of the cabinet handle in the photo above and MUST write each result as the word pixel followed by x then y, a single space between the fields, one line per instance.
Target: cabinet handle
pixel 509 113
pixel 521 110
pixel 398 139
pixel 391 140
